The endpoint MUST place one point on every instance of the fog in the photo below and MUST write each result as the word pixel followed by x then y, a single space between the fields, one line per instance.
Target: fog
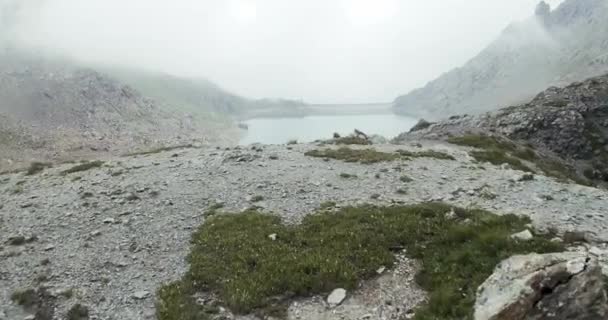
pixel 321 51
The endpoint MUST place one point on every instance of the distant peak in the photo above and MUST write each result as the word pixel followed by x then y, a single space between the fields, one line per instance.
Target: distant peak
pixel 543 9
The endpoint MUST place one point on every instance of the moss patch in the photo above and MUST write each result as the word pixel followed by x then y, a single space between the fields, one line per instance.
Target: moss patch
pixel 426 154
pixel 351 140
pixel 365 156
pixel 160 149
pixel 234 258
pixel 83 167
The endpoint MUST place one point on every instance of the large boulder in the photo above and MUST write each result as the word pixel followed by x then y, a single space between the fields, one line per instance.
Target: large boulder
pixel 567 285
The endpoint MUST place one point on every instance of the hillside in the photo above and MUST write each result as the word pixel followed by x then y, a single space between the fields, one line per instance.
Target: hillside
pixel 69 109
pixel 570 122
pixel 202 97
pixel 553 48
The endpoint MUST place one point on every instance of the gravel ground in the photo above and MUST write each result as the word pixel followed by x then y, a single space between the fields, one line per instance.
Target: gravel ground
pixel 115 234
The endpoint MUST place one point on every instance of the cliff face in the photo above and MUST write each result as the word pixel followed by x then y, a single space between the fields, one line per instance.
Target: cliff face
pixel 552 48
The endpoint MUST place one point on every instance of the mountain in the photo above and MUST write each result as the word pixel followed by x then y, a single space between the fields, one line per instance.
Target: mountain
pixel 203 97
pixel 52 107
pixel 553 48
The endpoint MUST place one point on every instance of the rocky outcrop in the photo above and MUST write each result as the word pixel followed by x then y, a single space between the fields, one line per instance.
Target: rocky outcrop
pixel 571 122
pixel 556 286
pixel 552 48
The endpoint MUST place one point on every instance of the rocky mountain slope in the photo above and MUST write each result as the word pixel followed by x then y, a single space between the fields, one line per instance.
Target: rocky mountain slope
pixel 202 97
pixel 107 236
pixel 570 122
pixel 66 108
pixel 554 48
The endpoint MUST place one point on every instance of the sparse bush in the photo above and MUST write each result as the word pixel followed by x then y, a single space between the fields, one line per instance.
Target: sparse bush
pixel 405 179
pixel 78 312
pixel 27 298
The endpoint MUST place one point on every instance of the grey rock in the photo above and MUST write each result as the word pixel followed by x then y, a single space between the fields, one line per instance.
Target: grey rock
pixel 523 236
pixel 141 295
pixel 564 286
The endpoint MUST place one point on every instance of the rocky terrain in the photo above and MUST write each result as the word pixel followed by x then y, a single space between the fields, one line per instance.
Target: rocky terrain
pixel 570 122
pixel 107 236
pixel 553 48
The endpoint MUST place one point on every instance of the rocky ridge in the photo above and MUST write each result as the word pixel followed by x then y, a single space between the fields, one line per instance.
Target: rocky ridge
pixel 553 48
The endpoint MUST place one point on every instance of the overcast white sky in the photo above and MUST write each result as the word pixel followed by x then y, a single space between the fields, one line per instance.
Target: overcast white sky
pixel 322 51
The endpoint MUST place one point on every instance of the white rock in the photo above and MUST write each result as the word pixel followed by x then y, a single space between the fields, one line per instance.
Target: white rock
pixel 273 236
pixel 336 297
pixel 140 295
pixel 381 270
pixel 524 235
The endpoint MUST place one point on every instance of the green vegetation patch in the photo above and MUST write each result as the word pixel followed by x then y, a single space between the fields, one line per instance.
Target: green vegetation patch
pixel 78 312
pixel 498 157
pixel 499 151
pixel 160 149
pixel 365 156
pixel 88 165
pixel 351 140
pixel 426 154
pixel 370 155
pixel 254 263
pixel 37 167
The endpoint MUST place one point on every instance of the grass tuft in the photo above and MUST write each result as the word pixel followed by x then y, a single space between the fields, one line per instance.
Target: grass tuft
pixel 26 298
pixel 37 167
pixel 83 167
pixel 78 312
pixel 234 258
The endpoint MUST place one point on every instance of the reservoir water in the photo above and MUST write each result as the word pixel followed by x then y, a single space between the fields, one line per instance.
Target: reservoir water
pixel 310 128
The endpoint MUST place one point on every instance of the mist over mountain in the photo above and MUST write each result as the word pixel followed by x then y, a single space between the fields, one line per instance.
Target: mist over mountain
pixel 552 48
